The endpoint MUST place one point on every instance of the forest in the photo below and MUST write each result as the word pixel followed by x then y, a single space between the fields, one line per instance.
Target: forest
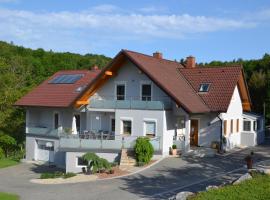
pixel 21 69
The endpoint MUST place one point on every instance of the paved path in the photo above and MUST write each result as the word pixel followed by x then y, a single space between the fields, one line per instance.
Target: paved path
pixel 161 181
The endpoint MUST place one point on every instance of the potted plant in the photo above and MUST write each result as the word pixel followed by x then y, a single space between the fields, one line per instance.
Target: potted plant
pixel 83 170
pixel 174 150
pixel 249 160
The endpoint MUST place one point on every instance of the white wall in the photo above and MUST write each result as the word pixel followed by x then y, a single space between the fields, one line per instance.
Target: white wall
pixel 132 77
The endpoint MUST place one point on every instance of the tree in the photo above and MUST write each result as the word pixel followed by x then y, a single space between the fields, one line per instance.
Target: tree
pixel 7 143
pixel 143 150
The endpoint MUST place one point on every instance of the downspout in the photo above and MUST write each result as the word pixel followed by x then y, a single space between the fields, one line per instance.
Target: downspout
pixel 221 134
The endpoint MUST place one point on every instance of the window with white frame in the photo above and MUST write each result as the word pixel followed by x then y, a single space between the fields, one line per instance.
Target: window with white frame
pixel 246 125
pixel 146 92
pixel 255 126
pixel 81 162
pixel 150 128
pixel 127 127
pixel 120 91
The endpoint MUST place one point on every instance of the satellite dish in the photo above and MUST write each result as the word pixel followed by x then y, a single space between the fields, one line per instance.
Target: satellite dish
pixel 49 144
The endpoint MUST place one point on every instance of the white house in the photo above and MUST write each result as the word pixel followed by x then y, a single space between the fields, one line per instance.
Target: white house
pixel 77 111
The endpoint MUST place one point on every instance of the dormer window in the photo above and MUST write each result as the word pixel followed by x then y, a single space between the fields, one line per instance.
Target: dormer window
pixel 204 87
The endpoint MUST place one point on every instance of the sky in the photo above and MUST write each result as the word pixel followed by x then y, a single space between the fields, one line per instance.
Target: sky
pixel 207 29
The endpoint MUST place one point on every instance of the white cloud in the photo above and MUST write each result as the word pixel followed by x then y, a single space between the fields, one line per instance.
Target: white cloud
pixel 102 23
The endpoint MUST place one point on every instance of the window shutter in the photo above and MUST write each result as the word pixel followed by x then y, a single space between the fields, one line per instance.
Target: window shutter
pixel 225 127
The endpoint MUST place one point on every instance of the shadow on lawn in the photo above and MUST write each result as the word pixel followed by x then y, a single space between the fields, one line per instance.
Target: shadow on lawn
pixel 177 172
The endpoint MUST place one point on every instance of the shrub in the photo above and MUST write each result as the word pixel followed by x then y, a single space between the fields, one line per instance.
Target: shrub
pixel 96 163
pixel 174 146
pixel 7 143
pixel 51 175
pixel 143 150
pixel 69 175
pixel 1 153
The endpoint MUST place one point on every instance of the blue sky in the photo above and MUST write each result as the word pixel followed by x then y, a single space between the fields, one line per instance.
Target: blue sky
pixel 207 29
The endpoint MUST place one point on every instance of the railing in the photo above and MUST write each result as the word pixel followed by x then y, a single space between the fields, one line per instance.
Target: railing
pixel 120 141
pixel 43 132
pixel 106 102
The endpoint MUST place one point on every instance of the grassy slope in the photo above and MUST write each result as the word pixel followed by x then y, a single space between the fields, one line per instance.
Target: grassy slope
pixel 7 162
pixel 257 188
pixel 5 196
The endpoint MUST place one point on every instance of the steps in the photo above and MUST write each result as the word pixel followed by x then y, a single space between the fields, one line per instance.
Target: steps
pixel 127 158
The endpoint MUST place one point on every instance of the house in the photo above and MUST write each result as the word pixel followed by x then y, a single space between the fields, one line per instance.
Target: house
pixel 76 111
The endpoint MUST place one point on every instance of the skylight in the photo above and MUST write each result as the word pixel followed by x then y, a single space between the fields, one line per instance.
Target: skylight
pixel 66 79
pixel 204 87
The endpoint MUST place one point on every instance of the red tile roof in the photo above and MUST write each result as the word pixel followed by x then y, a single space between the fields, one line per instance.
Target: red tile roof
pixel 57 95
pixel 223 81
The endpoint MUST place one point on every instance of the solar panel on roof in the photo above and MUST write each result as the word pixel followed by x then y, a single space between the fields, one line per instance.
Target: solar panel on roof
pixel 66 79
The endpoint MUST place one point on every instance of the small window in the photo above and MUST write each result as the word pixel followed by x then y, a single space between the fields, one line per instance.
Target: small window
pixel 246 125
pixel 81 162
pixel 56 120
pixel 113 125
pixel 150 129
pixel 255 128
pixel 146 92
pixel 126 127
pixel 204 87
pixel 232 126
pixel 120 92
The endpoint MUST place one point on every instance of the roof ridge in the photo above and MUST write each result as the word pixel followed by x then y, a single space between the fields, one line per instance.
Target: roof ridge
pixel 126 50
pixel 178 70
pixel 217 67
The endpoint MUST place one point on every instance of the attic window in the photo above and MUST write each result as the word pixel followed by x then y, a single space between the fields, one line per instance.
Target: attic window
pixel 204 87
pixel 66 79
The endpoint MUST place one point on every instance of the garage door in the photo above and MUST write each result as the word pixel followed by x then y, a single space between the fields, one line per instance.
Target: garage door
pixel 45 150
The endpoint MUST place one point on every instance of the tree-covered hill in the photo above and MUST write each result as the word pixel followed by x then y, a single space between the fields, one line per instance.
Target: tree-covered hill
pixel 21 69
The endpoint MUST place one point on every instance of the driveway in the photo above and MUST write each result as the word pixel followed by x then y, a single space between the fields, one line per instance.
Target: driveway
pixel 161 181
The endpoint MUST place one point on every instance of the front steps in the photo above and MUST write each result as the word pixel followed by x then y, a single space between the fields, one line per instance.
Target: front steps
pixel 127 159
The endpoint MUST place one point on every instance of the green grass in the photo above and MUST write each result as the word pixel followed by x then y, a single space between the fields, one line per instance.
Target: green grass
pixel 56 174
pixel 6 196
pixel 6 162
pixel 257 188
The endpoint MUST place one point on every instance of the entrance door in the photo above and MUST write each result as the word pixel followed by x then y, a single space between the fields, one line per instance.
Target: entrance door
pixel 194 132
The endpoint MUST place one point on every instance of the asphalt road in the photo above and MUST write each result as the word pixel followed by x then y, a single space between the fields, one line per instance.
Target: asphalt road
pixel 161 181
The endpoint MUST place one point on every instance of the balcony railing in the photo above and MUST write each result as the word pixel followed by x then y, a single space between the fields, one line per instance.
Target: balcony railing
pixel 120 141
pixel 107 102
pixel 43 132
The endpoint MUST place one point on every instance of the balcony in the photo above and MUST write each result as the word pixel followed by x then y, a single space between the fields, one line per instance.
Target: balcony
pixel 161 103
pixel 119 142
pixel 42 132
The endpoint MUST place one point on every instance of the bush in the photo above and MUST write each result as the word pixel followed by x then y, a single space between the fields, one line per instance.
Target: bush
pixel 143 150
pixel 174 146
pixel 2 155
pixel 69 175
pixel 96 163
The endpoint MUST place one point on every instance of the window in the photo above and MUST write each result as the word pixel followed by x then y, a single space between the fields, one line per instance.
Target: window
pixel 45 145
pixel 246 125
pixel 258 125
pixel 225 127
pixel 150 128
pixel 126 127
pixel 255 126
pixel 78 122
pixel 237 125
pixel 81 162
pixel 66 79
pixel 146 92
pixel 56 120
pixel 120 92
pixel 231 125
pixel 204 87
pixel 113 125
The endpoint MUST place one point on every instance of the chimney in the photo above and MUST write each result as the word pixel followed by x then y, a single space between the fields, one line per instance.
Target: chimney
pixel 190 62
pixel 157 55
pixel 95 67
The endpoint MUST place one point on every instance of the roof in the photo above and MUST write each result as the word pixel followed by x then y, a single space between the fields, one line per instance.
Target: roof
pixel 222 80
pixel 180 83
pixel 166 75
pixel 57 95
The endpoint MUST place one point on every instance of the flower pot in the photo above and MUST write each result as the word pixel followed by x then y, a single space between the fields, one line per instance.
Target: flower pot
pixel 111 171
pixel 249 162
pixel 83 170
pixel 174 152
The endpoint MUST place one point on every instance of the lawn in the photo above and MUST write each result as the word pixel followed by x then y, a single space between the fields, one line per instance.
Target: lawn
pixel 257 188
pixel 5 162
pixel 6 196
